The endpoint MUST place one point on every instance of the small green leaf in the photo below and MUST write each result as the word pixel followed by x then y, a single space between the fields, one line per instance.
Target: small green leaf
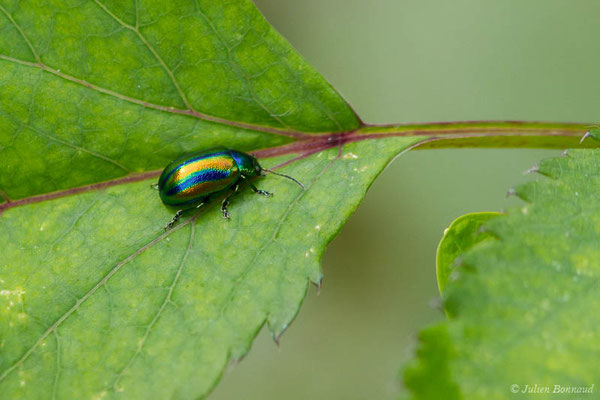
pixel 462 234
pixel 524 306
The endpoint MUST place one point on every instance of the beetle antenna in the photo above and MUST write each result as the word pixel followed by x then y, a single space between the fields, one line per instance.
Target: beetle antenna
pixel 285 176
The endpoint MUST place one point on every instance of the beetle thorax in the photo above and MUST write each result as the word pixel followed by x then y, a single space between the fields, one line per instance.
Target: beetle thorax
pixel 247 164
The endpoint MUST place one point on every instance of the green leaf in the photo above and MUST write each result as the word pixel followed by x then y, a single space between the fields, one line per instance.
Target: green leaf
pixel 462 234
pixel 96 90
pixel 524 307
pixel 432 380
pixel 98 302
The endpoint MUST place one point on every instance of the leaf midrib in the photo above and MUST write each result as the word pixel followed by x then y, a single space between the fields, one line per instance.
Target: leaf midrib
pixel 444 132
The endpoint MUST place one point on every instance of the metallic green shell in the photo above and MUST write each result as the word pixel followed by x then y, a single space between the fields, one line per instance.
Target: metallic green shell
pixel 193 177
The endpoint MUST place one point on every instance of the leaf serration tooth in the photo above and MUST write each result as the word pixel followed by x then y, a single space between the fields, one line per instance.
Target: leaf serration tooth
pixel 533 169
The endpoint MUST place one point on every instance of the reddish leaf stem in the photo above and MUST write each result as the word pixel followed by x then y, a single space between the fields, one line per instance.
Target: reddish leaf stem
pixel 439 134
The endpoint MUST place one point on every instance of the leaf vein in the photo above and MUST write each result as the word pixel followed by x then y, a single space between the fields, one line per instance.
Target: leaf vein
pixel 154 320
pixel 4 196
pixel 62 236
pixel 169 109
pixel 251 264
pixel 151 49
pixel 58 367
pixel 21 32
pixel 238 68
pixel 76 147
pixel 78 303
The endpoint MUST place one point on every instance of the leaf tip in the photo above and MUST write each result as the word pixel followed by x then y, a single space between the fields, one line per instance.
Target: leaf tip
pixel 277 335
pixel 318 283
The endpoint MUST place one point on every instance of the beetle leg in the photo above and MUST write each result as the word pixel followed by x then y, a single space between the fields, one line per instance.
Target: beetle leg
pixel 154 186
pixel 259 191
pixel 174 220
pixel 178 214
pixel 225 202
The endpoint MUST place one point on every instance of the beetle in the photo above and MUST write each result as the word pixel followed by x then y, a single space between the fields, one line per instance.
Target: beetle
pixel 190 180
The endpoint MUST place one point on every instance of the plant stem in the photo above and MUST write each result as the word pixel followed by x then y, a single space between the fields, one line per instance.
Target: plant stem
pixel 491 134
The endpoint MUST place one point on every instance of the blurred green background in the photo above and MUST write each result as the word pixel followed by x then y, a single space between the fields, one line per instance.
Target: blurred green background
pixel 415 61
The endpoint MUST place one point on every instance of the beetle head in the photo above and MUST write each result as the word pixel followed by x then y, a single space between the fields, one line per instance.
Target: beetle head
pixel 257 168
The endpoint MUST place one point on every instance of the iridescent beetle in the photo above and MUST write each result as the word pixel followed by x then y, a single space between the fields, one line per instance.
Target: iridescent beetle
pixel 189 181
